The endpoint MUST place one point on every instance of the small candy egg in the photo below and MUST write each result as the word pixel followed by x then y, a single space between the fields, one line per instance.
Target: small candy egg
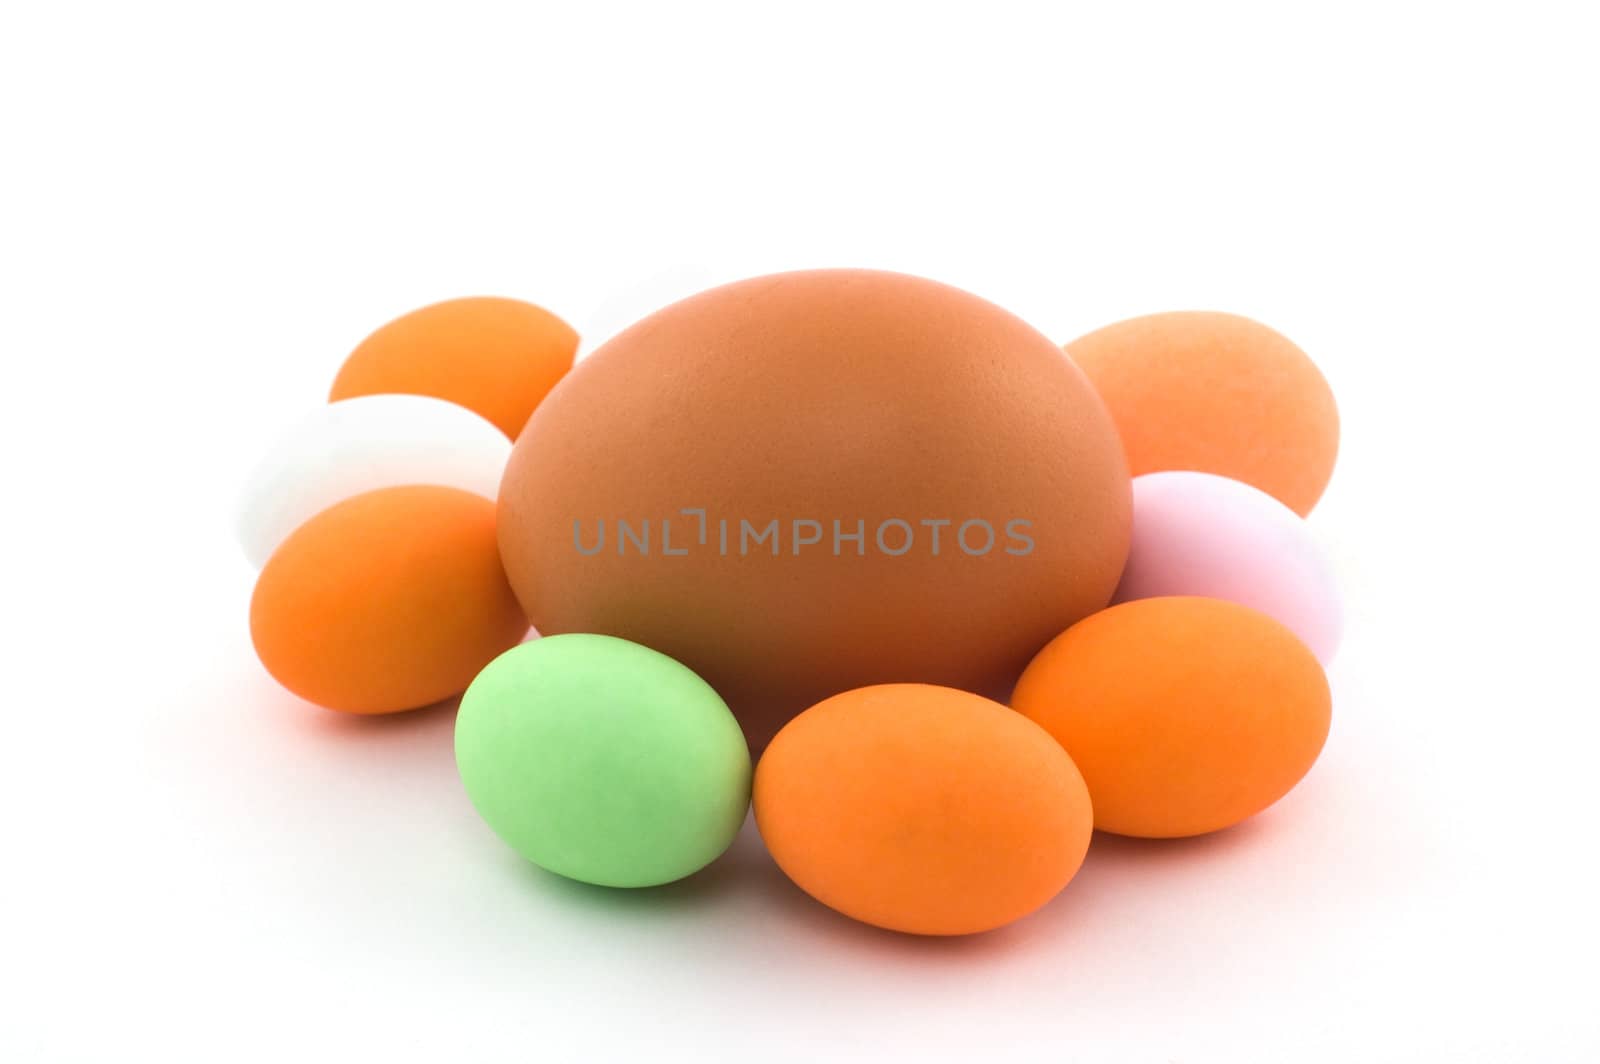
pixel 922 809
pixel 1201 534
pixel 603 761
pixel 358 445
pixel 1185 715
pixel 1216 393
pixel 390 600
pixel 497 357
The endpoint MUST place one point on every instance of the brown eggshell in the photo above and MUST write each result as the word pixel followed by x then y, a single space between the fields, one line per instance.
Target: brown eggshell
pixel 827 395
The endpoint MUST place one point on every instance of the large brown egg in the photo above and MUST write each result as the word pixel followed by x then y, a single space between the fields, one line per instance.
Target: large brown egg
pixel 810 482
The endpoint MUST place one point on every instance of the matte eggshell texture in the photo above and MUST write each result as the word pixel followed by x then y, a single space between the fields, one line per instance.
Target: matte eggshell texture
pixel 922 809
pixel 498 357
pixel 1199 534
pixel 387 601
pixel 603 761
pixel 1216 393
pixel 829 395
pixel 358 445
pixel 1185 715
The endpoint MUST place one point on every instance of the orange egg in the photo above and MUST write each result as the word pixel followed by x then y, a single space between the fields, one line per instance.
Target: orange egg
pixel 922 809
pixel 390 600
pixel 1185 715
pixel 1216 393
pixel 496 357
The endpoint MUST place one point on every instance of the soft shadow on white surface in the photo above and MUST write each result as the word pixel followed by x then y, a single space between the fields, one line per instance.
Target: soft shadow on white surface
pixel 255 856
pixel 341 783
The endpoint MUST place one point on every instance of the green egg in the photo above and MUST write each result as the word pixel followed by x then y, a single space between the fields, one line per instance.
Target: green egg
pixel 602 760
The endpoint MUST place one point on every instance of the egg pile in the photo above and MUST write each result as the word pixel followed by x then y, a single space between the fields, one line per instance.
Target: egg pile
pixel 966 597
pixel 373 517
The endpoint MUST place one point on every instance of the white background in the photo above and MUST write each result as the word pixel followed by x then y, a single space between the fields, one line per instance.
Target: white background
pixel 205 206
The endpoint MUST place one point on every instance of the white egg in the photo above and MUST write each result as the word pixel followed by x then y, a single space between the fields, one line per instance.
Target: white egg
pixel 359 445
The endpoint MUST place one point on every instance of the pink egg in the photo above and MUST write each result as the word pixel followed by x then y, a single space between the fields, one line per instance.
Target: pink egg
pixel 1201 534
